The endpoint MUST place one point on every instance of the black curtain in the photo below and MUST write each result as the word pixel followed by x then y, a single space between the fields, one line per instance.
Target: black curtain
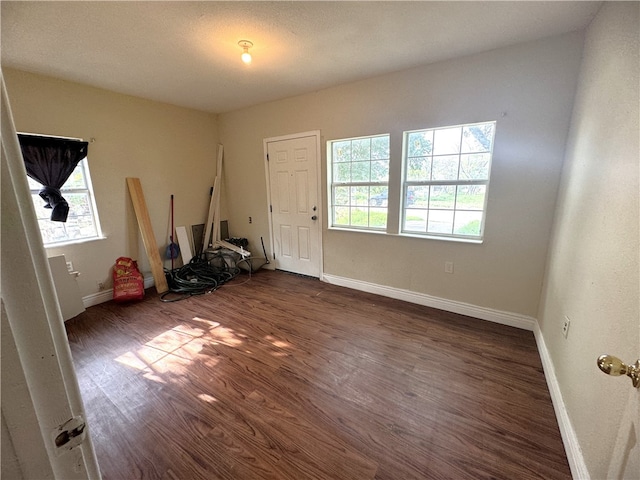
pixel 50 161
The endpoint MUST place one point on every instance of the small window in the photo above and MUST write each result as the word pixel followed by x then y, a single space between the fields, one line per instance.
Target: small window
pixel 359 176
pixel 446 179
pixel 82 222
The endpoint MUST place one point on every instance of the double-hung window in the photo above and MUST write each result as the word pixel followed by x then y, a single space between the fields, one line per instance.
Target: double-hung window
pixel 359 186
pixel 82 222
pixel 446 176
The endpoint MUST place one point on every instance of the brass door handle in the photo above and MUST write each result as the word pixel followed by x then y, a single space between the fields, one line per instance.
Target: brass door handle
pixel 614 366
pixel 315 217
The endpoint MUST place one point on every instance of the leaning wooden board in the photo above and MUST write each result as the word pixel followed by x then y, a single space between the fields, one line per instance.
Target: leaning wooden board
pixel 149 240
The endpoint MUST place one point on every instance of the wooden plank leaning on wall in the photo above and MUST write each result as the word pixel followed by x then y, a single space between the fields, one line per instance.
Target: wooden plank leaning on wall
pixel 149 240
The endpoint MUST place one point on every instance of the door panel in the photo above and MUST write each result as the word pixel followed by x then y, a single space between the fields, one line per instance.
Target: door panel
pixel 304 245
pixel 283 193
pixel 293 185
pixel 285 240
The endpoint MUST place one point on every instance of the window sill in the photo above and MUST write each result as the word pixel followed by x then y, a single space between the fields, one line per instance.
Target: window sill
pixel 74 242
pixel 476 241
pixel 473 241
pixel 358 230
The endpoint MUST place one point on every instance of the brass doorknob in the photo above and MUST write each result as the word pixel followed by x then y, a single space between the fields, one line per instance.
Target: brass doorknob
pixel 614 366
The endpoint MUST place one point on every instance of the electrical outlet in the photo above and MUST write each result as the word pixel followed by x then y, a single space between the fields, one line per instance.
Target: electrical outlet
pixel 70 267
pixel 448 267
pixel 100 286
pixel 250 220
pixel 565 326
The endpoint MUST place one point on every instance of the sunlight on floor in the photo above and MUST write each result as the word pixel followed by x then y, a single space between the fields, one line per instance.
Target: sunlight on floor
pixel 207 398
pixel 277 343
pixel 173 351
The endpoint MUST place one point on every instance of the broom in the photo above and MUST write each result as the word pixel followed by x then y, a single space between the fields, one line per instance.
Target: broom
pixel 173 250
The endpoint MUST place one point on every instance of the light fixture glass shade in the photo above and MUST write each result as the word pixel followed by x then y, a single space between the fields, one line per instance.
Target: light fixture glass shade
pixel 246 56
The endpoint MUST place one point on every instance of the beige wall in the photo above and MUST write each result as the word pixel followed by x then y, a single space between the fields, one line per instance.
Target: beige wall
pixel 592 274
pixel 533 84
pixel 172 150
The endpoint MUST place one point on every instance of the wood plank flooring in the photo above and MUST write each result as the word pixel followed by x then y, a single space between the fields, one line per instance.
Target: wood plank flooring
pixel 285 377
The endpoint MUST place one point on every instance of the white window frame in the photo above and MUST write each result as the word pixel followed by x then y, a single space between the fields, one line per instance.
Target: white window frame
pixel 408 184
pixel 372 205
pixel 42 220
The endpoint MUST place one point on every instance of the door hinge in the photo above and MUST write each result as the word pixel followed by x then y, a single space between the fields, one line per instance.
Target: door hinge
pixel 70 434
pixel 274 255
pixel 271 208
pixel 267 157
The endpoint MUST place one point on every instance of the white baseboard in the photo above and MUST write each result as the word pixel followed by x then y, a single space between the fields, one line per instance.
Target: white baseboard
pixel 489 314
pixel 106 295
pixel 569 438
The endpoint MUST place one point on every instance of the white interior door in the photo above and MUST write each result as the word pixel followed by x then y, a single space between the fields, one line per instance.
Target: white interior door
pixel 42 412
pixel 625 459
pixel 294 202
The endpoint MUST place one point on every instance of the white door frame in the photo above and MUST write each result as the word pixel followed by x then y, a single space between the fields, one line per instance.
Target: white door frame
pixel 43 398
pixel 320 213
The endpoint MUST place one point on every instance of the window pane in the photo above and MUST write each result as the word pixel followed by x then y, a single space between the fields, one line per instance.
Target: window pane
pixel 361 149
pixel 417 196
pixel 442 196
pixel 445 168
pixel 475 166
pixel 380 148
pixel 87 226
pixel 415 220
pixel 379 196
pixel 76 179
pixel 360 171
pixel 52 231
pixel 477 138
pixel 419 169
pixel 342 172
pixel 378 217
pixel 440 221
pixel 471 197
pixel 341 152
pixel 341 216
pixel 359 217
pixel 420 144
pixel 380 171
pixel 359 196
pixel 446 141
pixel 78 203
pixel 341 196
pixel 409 197
pixel 468 223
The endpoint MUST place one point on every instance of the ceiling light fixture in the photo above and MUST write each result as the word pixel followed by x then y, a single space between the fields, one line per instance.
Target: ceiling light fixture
pixel 246 56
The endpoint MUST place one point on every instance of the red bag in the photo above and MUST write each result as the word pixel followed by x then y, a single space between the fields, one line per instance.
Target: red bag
pixel 128 282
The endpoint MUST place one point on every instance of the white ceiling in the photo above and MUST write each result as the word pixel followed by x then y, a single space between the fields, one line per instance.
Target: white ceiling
pixel 186 53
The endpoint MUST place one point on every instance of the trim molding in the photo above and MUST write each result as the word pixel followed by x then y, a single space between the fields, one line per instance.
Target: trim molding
pixel 497 316
pixel 107 295
pixel 572 448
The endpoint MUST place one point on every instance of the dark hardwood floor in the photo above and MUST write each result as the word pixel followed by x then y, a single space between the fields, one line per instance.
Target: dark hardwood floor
pixel 285 377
